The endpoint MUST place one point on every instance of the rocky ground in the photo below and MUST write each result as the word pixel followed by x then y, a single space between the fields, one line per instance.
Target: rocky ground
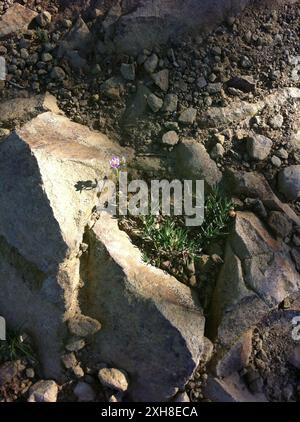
pixel 235 92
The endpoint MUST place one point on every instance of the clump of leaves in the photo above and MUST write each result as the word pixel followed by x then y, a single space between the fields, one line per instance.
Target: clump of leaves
pixel 217 214
pixel 42 36
pixel 15 347
pixel 165 239
pixel 167 243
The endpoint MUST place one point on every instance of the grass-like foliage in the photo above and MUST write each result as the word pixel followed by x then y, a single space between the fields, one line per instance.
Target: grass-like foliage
pixel 167 243
pixel 164 239
pixel 15 347
pixel 216 219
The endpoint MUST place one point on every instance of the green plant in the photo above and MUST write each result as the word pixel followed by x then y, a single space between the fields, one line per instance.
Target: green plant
pixel 42 36
pixel 167 243
pixel 164 239
pixel 15 347
pixel 216 218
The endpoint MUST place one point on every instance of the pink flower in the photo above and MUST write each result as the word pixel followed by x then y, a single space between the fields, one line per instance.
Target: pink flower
pixel 115 162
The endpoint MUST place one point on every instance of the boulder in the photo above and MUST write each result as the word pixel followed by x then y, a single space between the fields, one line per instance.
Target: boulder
pixel 152 325
pixel 145 23
pixel 20 110
pixel 48 169
pixel 257 275
pixel 254 185
pixel 16 18
pixel 76 45
pixel 259 147
pixel 192 161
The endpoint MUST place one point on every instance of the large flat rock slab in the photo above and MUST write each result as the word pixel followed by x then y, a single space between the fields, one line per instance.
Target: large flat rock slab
pixel 152 325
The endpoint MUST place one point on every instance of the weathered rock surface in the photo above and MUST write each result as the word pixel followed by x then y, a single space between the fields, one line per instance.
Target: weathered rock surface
pixel 47 169
pixel 242 110
pixel 231 389
pixel 289 182
pixel 43 391
pixel 113 378
pixel 152 324
pixel 24 109
pixel 76 44
pixel 193 161
pixel 257 275
pixel 254 185
pixel 145 23
pixel 259 147
pixel 17 18
pixel 9 370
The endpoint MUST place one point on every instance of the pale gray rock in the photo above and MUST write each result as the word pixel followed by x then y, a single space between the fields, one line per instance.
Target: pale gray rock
pixel 276 121
pixel 113 378
pixel 170 138
pixel 43 391
pixel 242 110
pixel 259 147
pixel 289 182
pixel 276 161
pixel 294 141
pixel 188 116
pixel 201 82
